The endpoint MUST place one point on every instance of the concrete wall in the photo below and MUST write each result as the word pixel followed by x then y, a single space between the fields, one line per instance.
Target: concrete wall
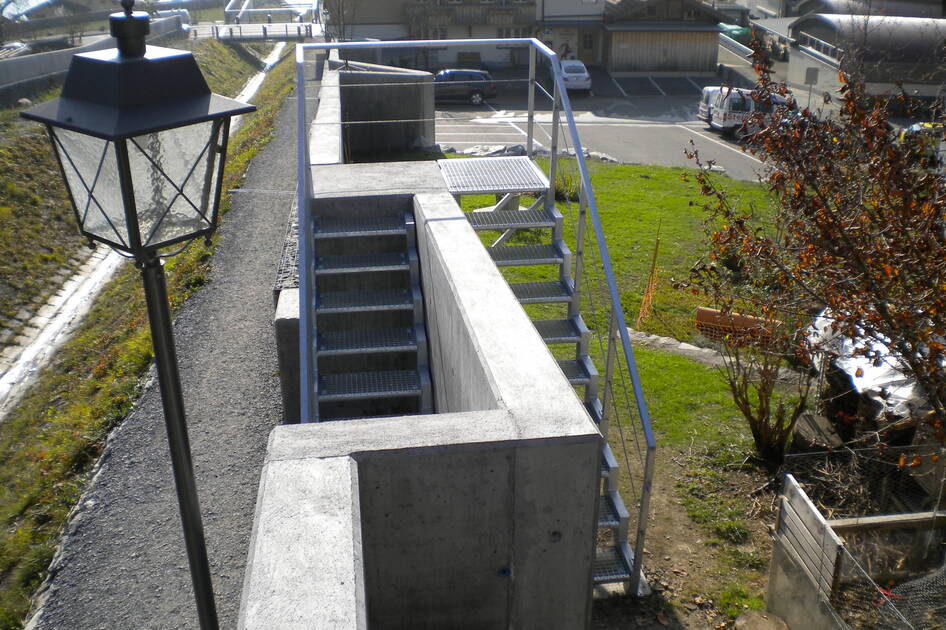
pixel 32 67
pixel 372 92
pixel 481 516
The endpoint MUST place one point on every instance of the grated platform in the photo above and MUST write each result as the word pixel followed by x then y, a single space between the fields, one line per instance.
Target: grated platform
pixel 493 175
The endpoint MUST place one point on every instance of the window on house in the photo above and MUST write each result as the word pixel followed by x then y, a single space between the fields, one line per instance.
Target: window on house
pixel 587 41
pixel 652 11
pixel 508 31
pixel 689 14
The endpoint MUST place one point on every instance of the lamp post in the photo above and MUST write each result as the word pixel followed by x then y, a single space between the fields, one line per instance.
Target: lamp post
pixel 141 143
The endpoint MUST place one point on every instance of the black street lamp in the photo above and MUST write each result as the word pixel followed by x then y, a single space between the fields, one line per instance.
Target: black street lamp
pixel 141 142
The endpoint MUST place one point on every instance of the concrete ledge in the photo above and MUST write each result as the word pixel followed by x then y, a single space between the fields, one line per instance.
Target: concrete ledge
pixel 307 523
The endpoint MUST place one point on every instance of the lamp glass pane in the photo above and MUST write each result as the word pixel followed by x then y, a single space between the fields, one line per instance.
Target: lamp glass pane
pixel 91 171
pixel 174 178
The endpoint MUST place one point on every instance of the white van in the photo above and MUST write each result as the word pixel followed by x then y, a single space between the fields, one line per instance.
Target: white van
pixel 706 102
pixel 732 108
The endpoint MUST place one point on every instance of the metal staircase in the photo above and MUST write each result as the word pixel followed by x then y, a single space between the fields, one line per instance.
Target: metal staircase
pixel 371 344
pixel 509 178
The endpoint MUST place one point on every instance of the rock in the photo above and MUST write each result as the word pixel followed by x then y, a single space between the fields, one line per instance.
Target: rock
pixel 758 620
pixel 24 102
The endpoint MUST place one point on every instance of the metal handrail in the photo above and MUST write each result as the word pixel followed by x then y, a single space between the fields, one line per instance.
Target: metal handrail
pixel 306 275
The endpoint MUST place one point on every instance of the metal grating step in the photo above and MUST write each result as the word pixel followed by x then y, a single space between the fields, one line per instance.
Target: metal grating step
pixel 361 385
pixel 361 301
pixel 608 516
pixel 575 372
pixel 511 255
pixel 510 219
pixel 610 566
pixel 359 263
pixel 493 175
pixel 541 292
pixel 344 228
pixel 366 341
pixel 555 331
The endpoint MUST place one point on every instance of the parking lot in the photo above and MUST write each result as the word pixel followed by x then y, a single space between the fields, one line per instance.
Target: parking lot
pixel 649 120
pixel 664 86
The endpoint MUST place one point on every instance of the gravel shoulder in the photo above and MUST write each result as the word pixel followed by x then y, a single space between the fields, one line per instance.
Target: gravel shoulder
pixel 121 563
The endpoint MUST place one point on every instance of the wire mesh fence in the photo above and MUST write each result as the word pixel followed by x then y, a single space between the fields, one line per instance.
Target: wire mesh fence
pixel 886 505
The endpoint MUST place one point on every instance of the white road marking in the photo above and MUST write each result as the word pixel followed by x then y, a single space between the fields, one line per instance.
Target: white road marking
pixel 721 143
pixel 651 79
pixel 537 143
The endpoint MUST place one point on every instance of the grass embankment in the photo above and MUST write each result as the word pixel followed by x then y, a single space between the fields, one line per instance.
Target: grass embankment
pixel 50 442
pixel 689 404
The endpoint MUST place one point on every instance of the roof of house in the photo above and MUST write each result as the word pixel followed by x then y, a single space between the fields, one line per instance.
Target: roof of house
pixel 888 38
pixel 907 8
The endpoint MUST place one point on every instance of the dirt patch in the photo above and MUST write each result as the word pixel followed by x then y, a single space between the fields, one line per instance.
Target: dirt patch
pixel 699 580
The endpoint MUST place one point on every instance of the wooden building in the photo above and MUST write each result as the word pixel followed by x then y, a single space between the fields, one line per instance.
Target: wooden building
pixel 662 36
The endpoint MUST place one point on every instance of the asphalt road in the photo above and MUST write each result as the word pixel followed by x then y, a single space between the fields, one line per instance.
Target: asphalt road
pixel 122 563
pixel 634 129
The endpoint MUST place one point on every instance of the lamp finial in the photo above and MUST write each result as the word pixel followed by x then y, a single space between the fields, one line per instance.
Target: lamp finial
pixel 129 29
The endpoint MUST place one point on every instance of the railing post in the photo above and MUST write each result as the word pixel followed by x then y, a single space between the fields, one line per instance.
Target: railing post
pixel 642 513
pixel 553 147
pixel 613 339
pixel 575 305
pixel 530 128
pixel 307 374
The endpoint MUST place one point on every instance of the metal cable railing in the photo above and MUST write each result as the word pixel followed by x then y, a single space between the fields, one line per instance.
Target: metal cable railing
pixel 618 337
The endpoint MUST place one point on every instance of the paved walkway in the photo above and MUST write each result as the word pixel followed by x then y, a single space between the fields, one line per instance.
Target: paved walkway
pixel 122 563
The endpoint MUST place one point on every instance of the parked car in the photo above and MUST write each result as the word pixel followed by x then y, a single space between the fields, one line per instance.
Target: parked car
pixel 575 75
pixel 474 86
pixel 706 102
pixel 733 108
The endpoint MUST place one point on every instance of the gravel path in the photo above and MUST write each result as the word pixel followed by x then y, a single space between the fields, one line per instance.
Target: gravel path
pixel 122 564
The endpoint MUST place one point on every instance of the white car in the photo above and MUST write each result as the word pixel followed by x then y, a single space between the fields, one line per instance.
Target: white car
pixel 575 75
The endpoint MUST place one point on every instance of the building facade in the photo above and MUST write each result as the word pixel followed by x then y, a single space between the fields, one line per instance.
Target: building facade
pixel 662 36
